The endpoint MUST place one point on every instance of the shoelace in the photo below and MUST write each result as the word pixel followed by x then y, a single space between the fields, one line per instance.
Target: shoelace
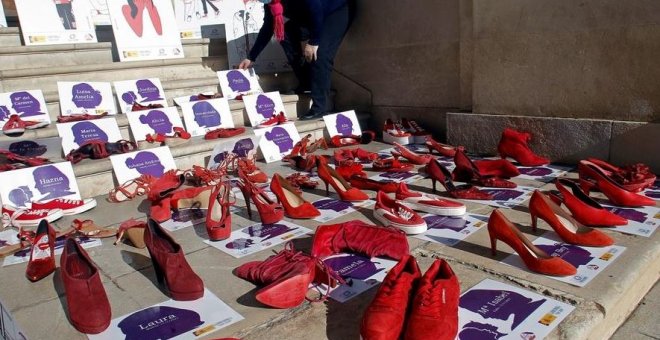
pixel 67 201
pixel 433 299
pixel 32 212
pixel 405 214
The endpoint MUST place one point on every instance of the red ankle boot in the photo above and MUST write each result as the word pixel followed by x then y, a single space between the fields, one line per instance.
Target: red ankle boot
pixel 87 303
pixel 386 315
pixel 359 237
pixel 170 264
pixel 514 144
pixel 434 311
pixel 496 167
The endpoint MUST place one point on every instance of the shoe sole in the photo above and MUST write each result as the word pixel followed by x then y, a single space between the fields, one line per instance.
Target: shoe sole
pixel 80 209
pixel 90 329
pixel 282 293
pixel 408 229
pixel 13 131
pixel 453 211
pixel 37 126
pixel 389 139
pixel 34 223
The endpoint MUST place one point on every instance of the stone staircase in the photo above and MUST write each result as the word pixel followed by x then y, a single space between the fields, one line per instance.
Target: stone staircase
pixel 40 67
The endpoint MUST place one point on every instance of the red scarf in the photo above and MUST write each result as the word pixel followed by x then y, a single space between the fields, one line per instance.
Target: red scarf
pixel 277 11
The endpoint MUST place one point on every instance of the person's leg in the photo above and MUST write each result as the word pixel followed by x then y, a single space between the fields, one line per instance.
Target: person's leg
pixel 215 8
pixel 69 16
pixel 334 30
pixel 61 12
pixel 293 52
pixel 204 9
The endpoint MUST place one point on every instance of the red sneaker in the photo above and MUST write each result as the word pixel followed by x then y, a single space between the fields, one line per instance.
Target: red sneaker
pixel 394 214
pixel 13 125
pixel 394 132
pixel 419 135
pixel 68 207
pixel 428 203
pixel 272 121
pixel 20 218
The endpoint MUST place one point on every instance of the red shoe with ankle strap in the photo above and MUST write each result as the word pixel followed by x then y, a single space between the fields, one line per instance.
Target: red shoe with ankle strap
pixel 570 230
pixel 386 315
pixel 434 309
pixel 364 155
pixel 419 135
pixel 438 173
pixel 218 216
pixel 536 260
pixel 343 155
pixel 42 254
pixel 442 149
pixel 89 150
pixel 431 204
pixel 467 171
pixel 224 133
pixel 155 138
pixel 281 118
pixel 514 144
pixel 270 212
pixel 170 264
pixel 358 237
pixel 364 183
pixel 394 132
pixel 412 157
pixel 293 203
pixel 300 181
pixel 346 193
pixel 350 168
pixel 165 184
pixel 300 149
pixel 339 141
pixel 635 178
pixel 592 176
pixel 583 208
pixel 391 213
pixel 251 171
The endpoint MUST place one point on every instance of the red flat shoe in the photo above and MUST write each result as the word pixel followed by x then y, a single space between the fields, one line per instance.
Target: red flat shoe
pixel 514 144
pixel 635 178
pixel 442 149
pixel 584 209
pixel 295 206
pixel 500 228
pixel 412 157
pixel 467 171
pixel 346 193
pixel 592 176
pixel 42 254
pixel 358 237
pixel 224 133
pixel 364 183
pixel 569 229
pixel 438 173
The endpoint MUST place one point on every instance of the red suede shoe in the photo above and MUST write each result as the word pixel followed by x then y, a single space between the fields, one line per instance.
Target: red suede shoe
pixel 293 203
pixel 514 144
pixel 270 212
pixel 394 214
pixel 42 254
pixel 635 178
pixel 80 117
pixel 218 216
pixel 412 157
pixel 496 167
pixel 391 165
pixel 386 315
pixel 434 310
pixel 438 173
pixel 467 171
pixel 164 185
pixel 428 203
pixel 569 229
pixel 224 133
pixel 443 149
pixel 583 208
pixel 170 264
pixel 139 107
pixel 592 176
pixel 346 193
pixel 87 303
pixel 358 237
pixel 364 155
pixel 364 183
pixel 250 170
pixel 536 260
pixel 350 168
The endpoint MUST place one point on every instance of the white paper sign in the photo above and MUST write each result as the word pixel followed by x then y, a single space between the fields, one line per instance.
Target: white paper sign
pixel 56 22
pixel 27 104
pixel 145 30
pixel 543 173
pixel 258 237
pixel 75 134
pixel 21 187
pixel 184 218
pixel 206 115
pixel 505 197
pixel 342 124
pixel 653 192
pixel 86 97
pixel 246 147
pixel 589 261
pixel 50 147
pixel 404 176
pixel 642 221
pixel 143 91
pixel 277 141
pixel 156 121
pixel 23 255
pixel 507 312
pixel 450 230
pixel 185 320
pixel 238 82
pixel 8 326
pixel 154 162
pixel 199 19
pixel 331 208
pixel 263 106
pixel 360 273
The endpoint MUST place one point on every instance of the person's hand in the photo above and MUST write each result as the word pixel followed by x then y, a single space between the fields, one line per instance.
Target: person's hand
pixel 245 64
pixel 310 52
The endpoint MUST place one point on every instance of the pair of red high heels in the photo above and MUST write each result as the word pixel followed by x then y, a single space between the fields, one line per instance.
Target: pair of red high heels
pixel 438 173
pixel 594 176
pixel 345 191
pixel 487 173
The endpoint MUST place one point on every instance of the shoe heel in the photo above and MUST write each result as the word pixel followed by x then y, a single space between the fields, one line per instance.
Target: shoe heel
pixel 493 244
pixel 433 181
pixel 586 186
pixel 327 189
pixel 534 221
pixel 246 197
pixel 159 271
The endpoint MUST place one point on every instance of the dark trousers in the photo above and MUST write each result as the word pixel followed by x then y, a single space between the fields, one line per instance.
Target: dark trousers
pixel 66 14
pixel 206 11
pixel 317 75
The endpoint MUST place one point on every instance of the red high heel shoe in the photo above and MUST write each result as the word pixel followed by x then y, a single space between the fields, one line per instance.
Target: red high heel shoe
pixel 318 144
pixel 569 229
pixel 350 168
pixel 412 157
pixel 500 228
pixel 583 208
pixel 270 212
pixel 438 172
pixel 496 167
pixel 467 171
pixel 218 216
pixel 300 149
pixel 251 171
pixel 293 203
pixel 300 181
pixel 635 178
pixel 42 254
pixel 592 176
pixel 514 144
pixel 346 193
pixel 443 149
pixel 343 155
pixel 391 165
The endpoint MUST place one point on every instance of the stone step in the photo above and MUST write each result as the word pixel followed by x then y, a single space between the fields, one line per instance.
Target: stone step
pixel 10 36
pixel 37 57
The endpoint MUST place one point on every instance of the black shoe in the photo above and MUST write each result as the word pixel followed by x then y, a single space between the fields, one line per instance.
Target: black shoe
pixel 312 115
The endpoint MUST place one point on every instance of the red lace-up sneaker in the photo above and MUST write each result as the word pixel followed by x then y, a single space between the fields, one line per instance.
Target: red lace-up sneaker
pixel 391 213
pixel 272 121
pixel 20 218
pixel 358 237
pixel 394 132
pixel 386 315
pixel 428 203
pixel 68 207
pixel 419 135
pixel 13 125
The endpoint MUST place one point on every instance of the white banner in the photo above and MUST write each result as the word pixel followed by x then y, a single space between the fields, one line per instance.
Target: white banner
pixel 56 22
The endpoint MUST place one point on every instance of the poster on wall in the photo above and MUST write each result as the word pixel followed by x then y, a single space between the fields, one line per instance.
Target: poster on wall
pixel 243 20
pixel 262 107
pixel 206 115
pixel 56 22
pixel 199 19
pixel 277 141
pixel 154 162
pixel 156 121
pixel 27 104
pixel 75 134
pixel 141 91
pixel 93 98
pixel 21 187
pixel 3 20
pixel 145 30
pixel 234 83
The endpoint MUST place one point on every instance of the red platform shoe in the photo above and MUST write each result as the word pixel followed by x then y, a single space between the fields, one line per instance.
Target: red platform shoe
pixel 592 176
pixel 514 144
pixel 391 213
pixel 294 205
pixel 346 193
pixel 583 208
pixel 358 237
pixel 165 184
pixel 500 228
pixel 42 254
pixel 439 173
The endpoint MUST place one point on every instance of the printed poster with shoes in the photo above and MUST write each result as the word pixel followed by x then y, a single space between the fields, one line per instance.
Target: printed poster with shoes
pixel 589 261
pixel 343 124
pixel 75 134
pixel 263 107
pixel 360 273
pixel 198 19
pixel 643 221
pixel 141 91
pixel 20 187
pixel 234 83
pixel 29 105
pixel 450 230
pixel 145 29
pixel 653 192
pixel 173 320
pixel 206 115
pixel 277 141
pixel 91 98
pixel 258 237
pixel 244 147
pixel 494 310
pixel 154 162
pixel 23 255
pixel 156 121
pixel 50 147
pixel 56 22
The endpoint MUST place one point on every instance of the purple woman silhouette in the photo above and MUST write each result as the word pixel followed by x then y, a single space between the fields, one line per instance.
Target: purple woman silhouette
pixel 265 106
pixel 159 322
pixel 51 182
pixel 25 104
pixel 205 114
pixel 240 243
pixel 243 147
pixel 148 90
pixel 353 266
pixel 499 304
pixel 344 125
pixel 84 132
pixel 28 148
pixel 158 121
pixel 332 204
pixel 4 112
pixel 20 196
pixel 281 138
pixel 237 81
pixel 85 96
pixel 146 163
pixel 268 231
